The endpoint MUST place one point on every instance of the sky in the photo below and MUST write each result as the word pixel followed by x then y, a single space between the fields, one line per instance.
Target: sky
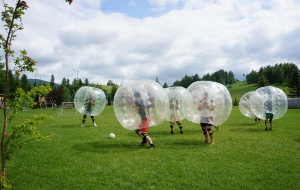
pixel 125 40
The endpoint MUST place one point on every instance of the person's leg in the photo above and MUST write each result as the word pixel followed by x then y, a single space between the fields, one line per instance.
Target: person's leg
pixel 211 134
pixel 93 119
pixel 83 120
pixel 143 132
pixel 179 123
pixel 205 133
pixel 171 127
pixel 271 121
pixel 144 140
pixel 266 121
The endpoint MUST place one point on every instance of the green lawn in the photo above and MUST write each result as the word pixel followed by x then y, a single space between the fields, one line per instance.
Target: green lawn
pixel 244 156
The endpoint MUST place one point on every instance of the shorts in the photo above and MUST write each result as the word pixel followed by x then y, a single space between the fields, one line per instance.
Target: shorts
pixel 206 120
pixel 144 125
pixel 269 116
pixel 205 125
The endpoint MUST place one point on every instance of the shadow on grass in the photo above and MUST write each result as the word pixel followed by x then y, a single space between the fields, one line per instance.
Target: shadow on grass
pixel 106 147
pixel 297 140
pixel 190 142
pixel 247 129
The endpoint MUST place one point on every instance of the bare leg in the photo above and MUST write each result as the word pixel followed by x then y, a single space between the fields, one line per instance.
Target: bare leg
pixel 211 135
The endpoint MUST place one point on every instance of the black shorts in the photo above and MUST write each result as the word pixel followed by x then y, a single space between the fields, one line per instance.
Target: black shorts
pixel 205 124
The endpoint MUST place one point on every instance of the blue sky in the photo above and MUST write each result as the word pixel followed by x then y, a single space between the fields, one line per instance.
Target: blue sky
pixel 145 39
pixel 138 8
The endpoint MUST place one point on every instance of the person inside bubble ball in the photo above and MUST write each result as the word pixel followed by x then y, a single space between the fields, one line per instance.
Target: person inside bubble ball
pixel 269 113
pixel 175 115
pixel 206 107
pixel 89 104
pixel 144 125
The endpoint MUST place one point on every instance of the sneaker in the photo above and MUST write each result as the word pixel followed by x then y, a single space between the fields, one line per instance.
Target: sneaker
pixel 270 128
pixel 82 125
pixel 172 132
pixel 95 124
pixel 217 127
pixel 266 128
pixel 181 132
pixel 206 141
pixel 143 143
pixel 152 146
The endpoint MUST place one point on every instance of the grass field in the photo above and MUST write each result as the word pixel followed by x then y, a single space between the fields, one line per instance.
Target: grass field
pixel 244 156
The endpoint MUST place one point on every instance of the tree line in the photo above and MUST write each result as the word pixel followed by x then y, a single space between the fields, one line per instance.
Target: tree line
pixel 220 76
pixel 280 73
pixel 64 92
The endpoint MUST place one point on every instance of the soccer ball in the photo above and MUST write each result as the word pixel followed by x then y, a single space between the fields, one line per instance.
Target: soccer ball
pixel 112 136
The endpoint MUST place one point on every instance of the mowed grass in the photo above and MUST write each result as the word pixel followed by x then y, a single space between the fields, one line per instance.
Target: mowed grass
pixel 244 156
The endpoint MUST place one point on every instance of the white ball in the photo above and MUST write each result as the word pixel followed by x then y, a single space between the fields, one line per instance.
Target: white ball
pixel 112 136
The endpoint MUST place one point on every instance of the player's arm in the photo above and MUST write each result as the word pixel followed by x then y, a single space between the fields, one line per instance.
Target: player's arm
pixel 200 106
pixel 212 106
pixel 137 109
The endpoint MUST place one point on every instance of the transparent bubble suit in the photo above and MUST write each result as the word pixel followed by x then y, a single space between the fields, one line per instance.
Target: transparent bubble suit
pixel 180 101
pixel 89 101
pixel 244 104
pixel 155 101
pixel 269 99
pixel 217 94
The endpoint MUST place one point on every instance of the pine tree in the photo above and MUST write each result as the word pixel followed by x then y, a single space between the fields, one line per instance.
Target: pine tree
pixel 64 82
pixel 156 80
pixel 262 81
pixel 52 81
pixel 24 83
pixel 294 83
pixel 235 103
pixel 165 85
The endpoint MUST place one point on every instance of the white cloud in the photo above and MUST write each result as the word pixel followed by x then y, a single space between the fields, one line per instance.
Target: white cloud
pixel 203 36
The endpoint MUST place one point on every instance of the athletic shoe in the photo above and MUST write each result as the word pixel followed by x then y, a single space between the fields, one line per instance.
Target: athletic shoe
pixel 270 128
pixel 181 132
pixel 217 127
pixel 172 132
pixel 82 125
pixel 206 141
pixel 95 124
pixel 143 143
pixel 152 146
pixel 266 128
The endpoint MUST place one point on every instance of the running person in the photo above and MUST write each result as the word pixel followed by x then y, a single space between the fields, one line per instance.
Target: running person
pixel 89 104
pixel 206 107
pixel 269 113
pixel 175 115
pixel 144 125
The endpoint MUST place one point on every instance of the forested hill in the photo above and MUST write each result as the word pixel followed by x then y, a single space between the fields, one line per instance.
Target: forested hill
pixel 278 73
pixel 220 76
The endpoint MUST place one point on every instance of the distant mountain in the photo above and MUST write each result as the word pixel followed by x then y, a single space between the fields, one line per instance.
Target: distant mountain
pixel 38 81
